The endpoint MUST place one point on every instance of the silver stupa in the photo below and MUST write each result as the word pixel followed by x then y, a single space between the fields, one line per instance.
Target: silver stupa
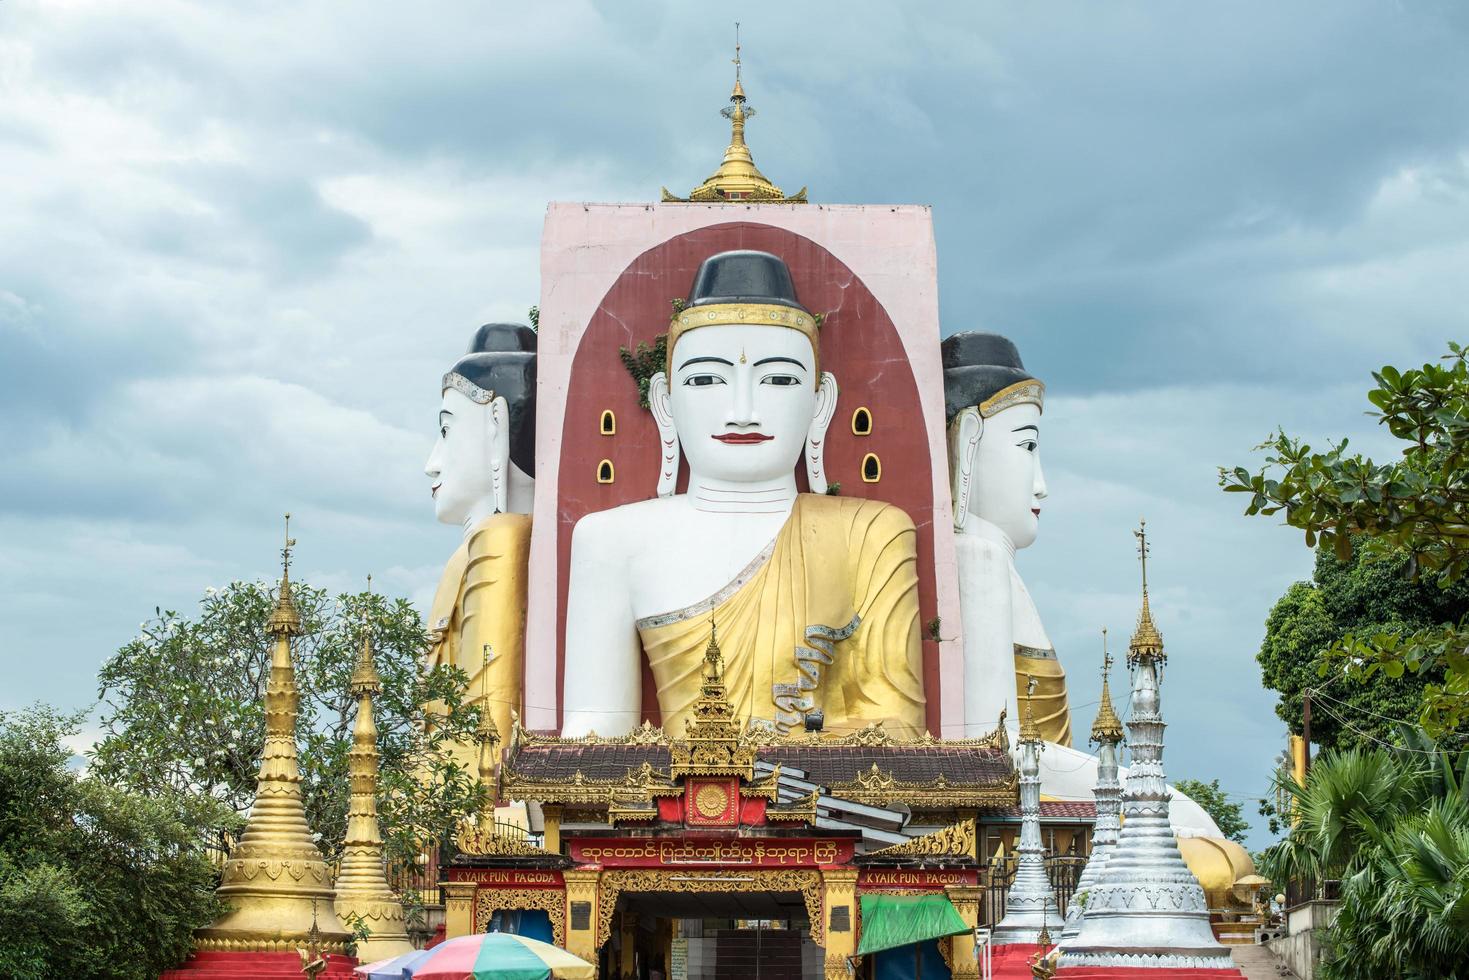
pixel 1146 909
pixel 1107 734
pixel 1030 906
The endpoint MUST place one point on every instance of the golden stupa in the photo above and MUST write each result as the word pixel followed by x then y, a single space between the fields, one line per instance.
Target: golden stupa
pixel 1107 727
pixel 737 180
pixel 276 881
pixel 363 893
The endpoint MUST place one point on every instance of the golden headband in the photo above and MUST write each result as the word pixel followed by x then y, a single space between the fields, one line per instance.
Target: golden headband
pixel 743 314
pixel 1028 392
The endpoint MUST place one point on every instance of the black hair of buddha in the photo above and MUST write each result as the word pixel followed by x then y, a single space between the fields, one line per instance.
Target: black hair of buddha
pixel 977 366
pixel 502 359
pixel 744 276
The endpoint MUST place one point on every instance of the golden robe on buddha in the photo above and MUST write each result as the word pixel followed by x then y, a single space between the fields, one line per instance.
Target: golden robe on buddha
pixel 1051 706
pixel 826 616
pixel 479 609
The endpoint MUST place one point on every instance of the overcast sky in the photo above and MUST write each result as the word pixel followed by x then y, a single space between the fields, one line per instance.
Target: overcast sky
pixel 240 244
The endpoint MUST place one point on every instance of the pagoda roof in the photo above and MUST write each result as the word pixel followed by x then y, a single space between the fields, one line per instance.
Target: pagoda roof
pixel 868 766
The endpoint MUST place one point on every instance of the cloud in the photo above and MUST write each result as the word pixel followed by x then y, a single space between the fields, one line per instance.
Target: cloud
pixel 238 247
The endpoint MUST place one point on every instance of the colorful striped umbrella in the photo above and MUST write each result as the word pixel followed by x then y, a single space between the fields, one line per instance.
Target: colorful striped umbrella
pixel 498 956
pixel 393 967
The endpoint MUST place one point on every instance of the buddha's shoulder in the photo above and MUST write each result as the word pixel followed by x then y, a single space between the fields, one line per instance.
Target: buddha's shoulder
pixel 877 515
pixel 498 534
pixel 621 522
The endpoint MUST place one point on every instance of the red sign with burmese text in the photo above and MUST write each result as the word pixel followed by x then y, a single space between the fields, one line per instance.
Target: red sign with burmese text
pixel 679 852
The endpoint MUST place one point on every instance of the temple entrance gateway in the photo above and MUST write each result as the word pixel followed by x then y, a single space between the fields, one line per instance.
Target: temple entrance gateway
pixel 726 935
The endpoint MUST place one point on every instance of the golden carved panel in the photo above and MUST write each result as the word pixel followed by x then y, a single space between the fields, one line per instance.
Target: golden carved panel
pixel 552 901
pixel 613 883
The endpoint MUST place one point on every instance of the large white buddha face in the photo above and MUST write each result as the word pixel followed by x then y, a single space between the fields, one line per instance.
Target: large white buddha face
pixel 462 467
pixel 742 400
pixel 1008 483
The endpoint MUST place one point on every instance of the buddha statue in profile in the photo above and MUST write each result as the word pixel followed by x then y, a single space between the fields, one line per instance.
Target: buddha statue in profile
pixel 815 596
pixel 993 408
pixel 481 474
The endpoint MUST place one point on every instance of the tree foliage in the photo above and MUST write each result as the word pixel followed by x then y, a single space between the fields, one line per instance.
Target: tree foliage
pixel 1417 506
pixel 1229 817
pixel 1393 825
pixel 183 711
pixel 94 881
pixel 1352 597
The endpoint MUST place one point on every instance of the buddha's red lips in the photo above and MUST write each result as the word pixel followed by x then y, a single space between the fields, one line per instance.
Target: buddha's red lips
pixel 433 491
pixel 742 438
pixel 1036 511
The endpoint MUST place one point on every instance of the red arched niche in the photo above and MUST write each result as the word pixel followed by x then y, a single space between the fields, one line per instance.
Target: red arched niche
pixel 859 344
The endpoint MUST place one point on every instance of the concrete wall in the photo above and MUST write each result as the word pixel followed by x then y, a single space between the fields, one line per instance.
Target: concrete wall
pixel 1300 948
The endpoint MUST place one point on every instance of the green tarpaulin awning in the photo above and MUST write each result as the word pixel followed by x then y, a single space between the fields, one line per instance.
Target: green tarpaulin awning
pixel 889 921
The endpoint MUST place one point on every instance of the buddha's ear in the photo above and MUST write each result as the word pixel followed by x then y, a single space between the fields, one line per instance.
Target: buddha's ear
pixel 499 450
pixel 821 415
pixel 964 433
pixel 659 402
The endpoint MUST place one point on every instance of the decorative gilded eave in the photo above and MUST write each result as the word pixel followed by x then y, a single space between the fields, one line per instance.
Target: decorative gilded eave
pixel 876 735
pixel 876 787
pixel 954 841
pixel 484 840
pixel 802 811
pixel 641 784
pixel 645 734
pixel 737 180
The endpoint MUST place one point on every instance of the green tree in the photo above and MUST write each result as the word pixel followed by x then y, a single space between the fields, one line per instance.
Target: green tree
pixel 94 881
pixel 1392 824
pixel 183 711
pixel 1417 506
pixel 1352 597
pixel 1228 816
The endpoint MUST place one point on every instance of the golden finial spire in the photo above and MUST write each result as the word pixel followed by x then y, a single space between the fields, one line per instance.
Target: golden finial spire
pixel 362 891
pixel 1147 642
pixel 737 179
pixel 712 741
pixel 713 657
pixel 270 913
pixel 738 95
pixel 284 619
pixel 1029 732
pixel 1107 727
pixel 365 678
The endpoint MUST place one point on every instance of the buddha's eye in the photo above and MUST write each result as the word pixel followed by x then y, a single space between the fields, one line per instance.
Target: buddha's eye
pixel 1029 445
pixel 703 380
pixel 443 432
pixel 781 380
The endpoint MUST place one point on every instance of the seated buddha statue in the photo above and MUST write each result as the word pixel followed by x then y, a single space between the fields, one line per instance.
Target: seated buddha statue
pixel 993 407
pixel 481 472
pixel 815 597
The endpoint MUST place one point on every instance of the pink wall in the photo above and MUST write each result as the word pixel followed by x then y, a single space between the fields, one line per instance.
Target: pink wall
pixel 603 270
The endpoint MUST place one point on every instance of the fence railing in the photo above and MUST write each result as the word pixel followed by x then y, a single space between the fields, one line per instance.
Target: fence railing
pixel 1064 871
pixel 1298 891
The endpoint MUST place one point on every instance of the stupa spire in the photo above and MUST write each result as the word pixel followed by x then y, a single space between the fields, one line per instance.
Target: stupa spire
pixel 275 912
pixel 1107 733
pixel 737 179
pixel 1145 909
pixel 363 893
pixel 1029 731
pixel 1030 906
pixel 1147 642
pixel 1107 727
